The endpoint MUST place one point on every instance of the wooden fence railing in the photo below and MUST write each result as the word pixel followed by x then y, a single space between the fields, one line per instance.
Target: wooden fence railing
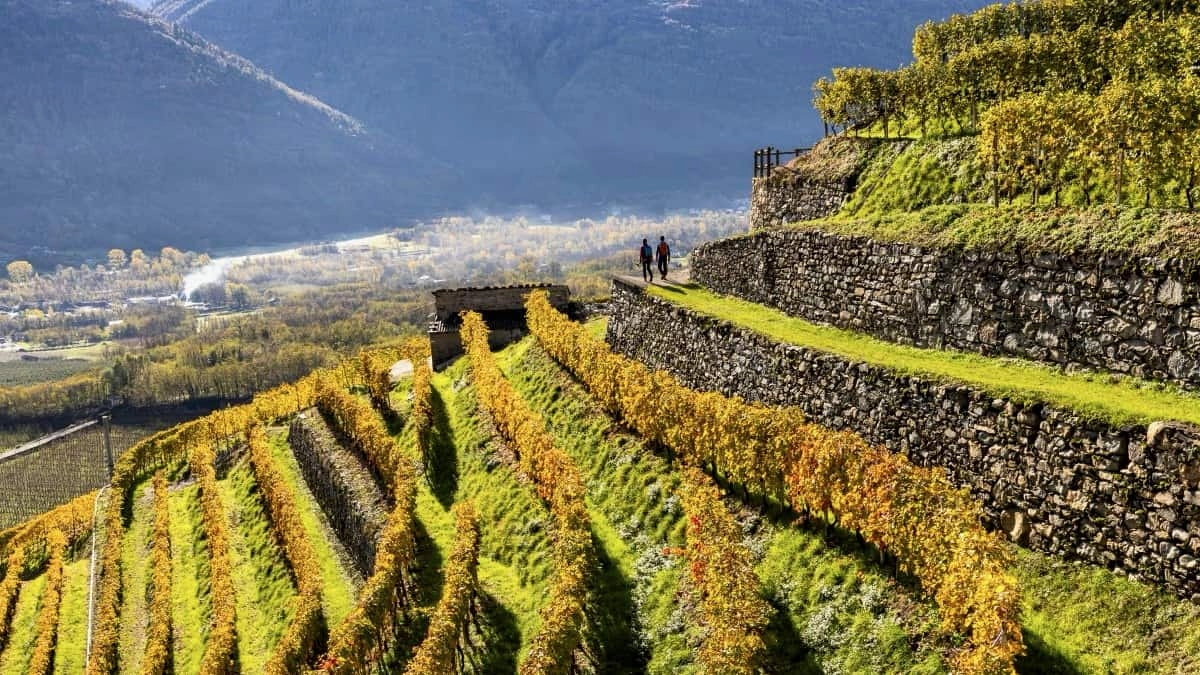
pixel 766 159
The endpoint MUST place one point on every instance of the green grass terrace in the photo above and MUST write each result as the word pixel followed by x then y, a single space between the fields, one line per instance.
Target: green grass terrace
pixel 1110 398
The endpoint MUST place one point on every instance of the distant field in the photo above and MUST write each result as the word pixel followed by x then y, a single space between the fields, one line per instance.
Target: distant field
pixel 17 373
pixel 60 471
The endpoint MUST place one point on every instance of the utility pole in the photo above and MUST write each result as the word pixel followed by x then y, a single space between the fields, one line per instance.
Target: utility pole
pixel 108 453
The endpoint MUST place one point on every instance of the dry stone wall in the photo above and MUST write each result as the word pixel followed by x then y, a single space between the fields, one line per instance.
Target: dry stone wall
pixel 787 197
pixel 1132 316
pixel 1126 498
pixel 353 502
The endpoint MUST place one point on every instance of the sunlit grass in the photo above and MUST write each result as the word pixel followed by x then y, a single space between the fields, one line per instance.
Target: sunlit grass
pixel 190 581
pixel 1081 618
pixel 135 574
pixel 22 634
pixel 260 573
pixel 340 583
pixel 72 618
pixel 1126 401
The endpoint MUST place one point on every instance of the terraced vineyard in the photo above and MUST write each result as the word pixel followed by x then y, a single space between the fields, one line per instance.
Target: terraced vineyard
pixel 523 528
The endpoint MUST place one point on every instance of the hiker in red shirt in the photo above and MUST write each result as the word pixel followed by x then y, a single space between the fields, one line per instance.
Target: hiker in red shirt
pixel 664 256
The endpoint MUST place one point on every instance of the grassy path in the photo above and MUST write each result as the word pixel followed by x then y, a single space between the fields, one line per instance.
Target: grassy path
pixel 261 577
pixel 189 579
pixel 1125 402
pixel 72 618
pixel 515 565
pixel 341 582
pixel 135 569
pixel 22 632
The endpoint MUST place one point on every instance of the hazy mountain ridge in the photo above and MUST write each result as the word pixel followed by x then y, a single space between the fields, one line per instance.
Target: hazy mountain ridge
pixel 118 129
pixel 643 102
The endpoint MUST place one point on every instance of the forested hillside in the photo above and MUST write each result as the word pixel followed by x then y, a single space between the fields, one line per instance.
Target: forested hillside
pixel 628 102
pixel 120 130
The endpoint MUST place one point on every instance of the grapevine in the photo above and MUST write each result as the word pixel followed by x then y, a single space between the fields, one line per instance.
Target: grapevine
pixel 558 483
pixel 220 653
pixel 931 528
pixel 360 639
pixel 448 627
pixel 42 661
pixel 157 658
pixel 733 611
pixel 300 640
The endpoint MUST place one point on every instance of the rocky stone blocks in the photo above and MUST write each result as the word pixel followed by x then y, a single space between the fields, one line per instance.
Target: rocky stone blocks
pixel 1127 498
pixel 1129 316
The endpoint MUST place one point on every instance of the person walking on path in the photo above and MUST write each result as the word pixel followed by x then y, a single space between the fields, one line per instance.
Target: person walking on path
pixel 647 255
pixel 664 257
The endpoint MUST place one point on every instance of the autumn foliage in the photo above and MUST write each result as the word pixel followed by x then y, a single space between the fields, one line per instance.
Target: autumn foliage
pixel 157 656
pixel 451 620
pixel 733 613
pixel 363 637
pixel 42 661
pixel 933 529
pixel 302 638
pixel 558 483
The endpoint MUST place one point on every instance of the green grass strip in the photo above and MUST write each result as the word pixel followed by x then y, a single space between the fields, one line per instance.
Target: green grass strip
pixel 260 573
pixel 189 580
pixel 341 585
pixel 515 565
pixel 1080 618
pixel 72 618
pixel 135 573
pixel 1117 401
pixel 23 632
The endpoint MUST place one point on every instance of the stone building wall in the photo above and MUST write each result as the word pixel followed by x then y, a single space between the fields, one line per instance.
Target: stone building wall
pixel 786 197
pixel 1126 498
pixel 1133 316
pixel 449 302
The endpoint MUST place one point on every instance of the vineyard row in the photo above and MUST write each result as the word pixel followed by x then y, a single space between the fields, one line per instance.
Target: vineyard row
pixel 933 529
pixel 560 485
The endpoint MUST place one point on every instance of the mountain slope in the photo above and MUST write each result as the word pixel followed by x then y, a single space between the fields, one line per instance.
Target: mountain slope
pixel 117 129
pixel 545 101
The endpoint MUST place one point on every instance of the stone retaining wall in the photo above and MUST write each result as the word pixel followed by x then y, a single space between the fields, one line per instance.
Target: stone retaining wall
pixel 786 197
pixel 1139 317
pixel 1125 498
pixel 353 502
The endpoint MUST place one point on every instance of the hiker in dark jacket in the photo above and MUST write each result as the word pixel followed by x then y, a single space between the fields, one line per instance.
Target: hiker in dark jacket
pixel 647 255
pixel 664 257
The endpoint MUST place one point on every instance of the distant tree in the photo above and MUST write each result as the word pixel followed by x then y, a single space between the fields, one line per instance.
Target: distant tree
pixel 239 295
pixel 20 271
pixel 213 294
pixel 138 260
pixel 173 256
pixel 116 259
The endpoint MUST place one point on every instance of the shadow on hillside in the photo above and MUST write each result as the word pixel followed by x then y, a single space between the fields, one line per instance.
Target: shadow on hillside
pixel 427 579
pixel 786 650
pixel 442 467
pixel 612 618
pixel 1042 659
pixel 498 640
